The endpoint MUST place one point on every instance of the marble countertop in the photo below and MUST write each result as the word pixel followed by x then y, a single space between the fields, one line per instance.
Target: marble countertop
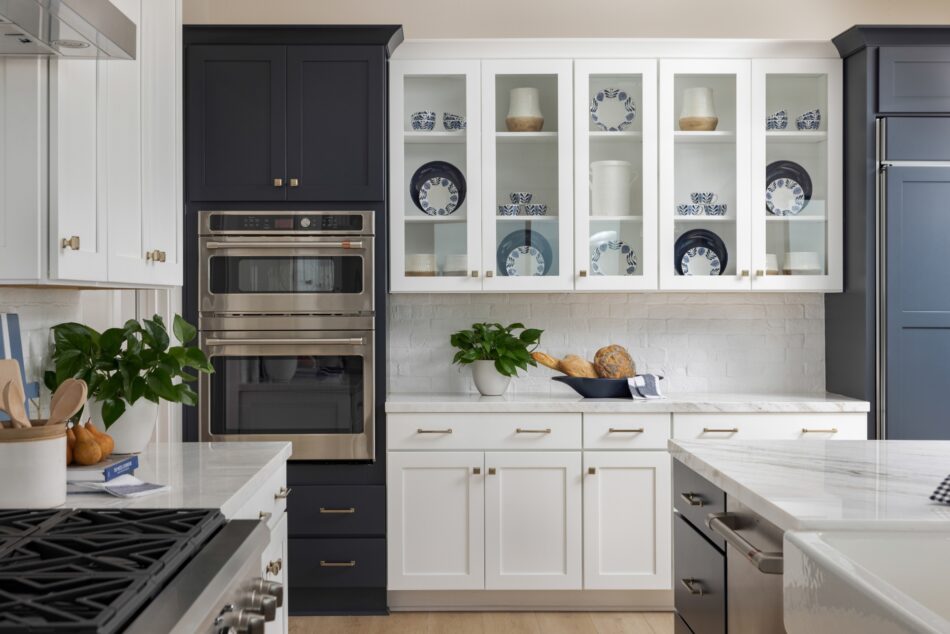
pixel 675 403
pixel 217 475
pixel 828 484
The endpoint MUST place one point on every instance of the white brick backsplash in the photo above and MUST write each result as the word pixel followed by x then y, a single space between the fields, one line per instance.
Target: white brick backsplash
pixel 730 342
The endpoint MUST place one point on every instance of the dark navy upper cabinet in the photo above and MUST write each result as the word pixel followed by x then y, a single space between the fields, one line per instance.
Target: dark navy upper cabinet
pixel 914 79
pixel 336 99
pixel 236 120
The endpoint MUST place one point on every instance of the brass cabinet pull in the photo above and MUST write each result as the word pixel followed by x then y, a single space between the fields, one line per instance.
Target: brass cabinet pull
pixel 582 273
pixel 293 182
pixel 265 515
pixel 693 499
pixel 830 430
pixel 591 470
pixel 161 256
pixel 692 585
pixel 434 431
pixel 489 273
pixel 744 273
pixel 520 430
pixel 621 430
pixel 338 564
pixel 342 511
pixel 720 430
pixel 155 256
pixel 760 272
pixel 491 471
pixel 474 273
pixel 278 182
pixel 274 566
pixel 282 493
pixel 476 470
pixel 71 242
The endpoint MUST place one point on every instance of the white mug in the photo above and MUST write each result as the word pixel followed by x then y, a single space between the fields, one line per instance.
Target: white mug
pixel 610 188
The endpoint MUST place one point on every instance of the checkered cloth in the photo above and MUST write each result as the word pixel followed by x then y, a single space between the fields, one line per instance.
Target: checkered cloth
pixel 942 494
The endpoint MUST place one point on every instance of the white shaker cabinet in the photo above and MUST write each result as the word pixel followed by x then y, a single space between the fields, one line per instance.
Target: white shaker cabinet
pixel 627 520
pixel 533 521
pixel 436 518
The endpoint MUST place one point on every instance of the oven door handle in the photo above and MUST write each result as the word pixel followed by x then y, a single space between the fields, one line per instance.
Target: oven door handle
pixel 343 244
pixel 348 341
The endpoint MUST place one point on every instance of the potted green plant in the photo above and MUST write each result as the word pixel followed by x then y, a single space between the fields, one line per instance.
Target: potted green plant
pixel 496 353
pixel 128 371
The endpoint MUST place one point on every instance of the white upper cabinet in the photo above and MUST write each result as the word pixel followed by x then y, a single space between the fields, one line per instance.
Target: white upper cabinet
pixel 615 174
pixel 642 173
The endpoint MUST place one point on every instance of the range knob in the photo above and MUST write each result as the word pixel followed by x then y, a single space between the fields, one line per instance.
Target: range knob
pixel 263 604
pixel 240 622
pixel 305 222
pixel 268 587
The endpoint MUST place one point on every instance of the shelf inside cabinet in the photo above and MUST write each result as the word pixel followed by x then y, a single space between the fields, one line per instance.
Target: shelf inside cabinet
pixel 704 219
pixel 434 219
pixel 595 218
pixel 796 136
pixel 527 218
pixel 795 218
pixel 704 136
pixel 616 136
pixel 433 136
pixel 526 137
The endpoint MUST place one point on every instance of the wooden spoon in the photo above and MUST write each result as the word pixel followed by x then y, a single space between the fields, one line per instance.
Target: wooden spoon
pixel 13 399
pixel 68 399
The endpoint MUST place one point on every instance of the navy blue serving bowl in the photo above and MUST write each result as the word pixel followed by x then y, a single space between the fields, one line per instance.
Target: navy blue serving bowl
pixel 596 388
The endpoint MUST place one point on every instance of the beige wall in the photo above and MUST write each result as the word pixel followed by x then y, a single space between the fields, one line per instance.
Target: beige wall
pixel 788 19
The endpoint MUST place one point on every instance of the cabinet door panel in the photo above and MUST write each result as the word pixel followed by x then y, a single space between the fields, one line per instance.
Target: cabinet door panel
pixel 236 122
pixel 436 521
pixel 533 521
pixel 627 520
pixel 336 108
pixel 914 79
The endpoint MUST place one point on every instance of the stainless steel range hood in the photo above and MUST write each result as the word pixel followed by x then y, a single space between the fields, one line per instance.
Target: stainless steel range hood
pixel 73 29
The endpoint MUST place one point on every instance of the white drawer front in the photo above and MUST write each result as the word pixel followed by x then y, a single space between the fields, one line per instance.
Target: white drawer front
pixel 518 432
pixel 626 431
pixel 269 498
pixel 846 426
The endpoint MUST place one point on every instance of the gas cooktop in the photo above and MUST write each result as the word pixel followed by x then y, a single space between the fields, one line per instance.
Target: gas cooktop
pixel 92 571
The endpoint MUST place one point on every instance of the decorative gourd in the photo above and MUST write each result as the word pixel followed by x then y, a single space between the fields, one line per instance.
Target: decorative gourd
pixel 86 451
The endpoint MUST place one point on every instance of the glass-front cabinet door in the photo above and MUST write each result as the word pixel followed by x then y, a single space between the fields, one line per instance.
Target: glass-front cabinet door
pixel 435 160
pixel 615 210
pixel 527 175
pixel 704 174
pixel 797 174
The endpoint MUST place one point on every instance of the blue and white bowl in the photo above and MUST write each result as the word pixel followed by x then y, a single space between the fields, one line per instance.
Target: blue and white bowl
pixel 422 120
pixel 777 120
pixel 716 210
pixel 508 210
pixel 682 209
pixel 702 198
pixel 453 121
pixel 808 124
pixel 520 197
pixel 536 209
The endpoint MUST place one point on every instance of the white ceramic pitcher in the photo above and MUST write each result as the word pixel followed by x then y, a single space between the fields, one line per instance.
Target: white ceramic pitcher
pixel 610 187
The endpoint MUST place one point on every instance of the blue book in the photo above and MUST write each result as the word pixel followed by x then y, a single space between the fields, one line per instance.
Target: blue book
pixel 109 469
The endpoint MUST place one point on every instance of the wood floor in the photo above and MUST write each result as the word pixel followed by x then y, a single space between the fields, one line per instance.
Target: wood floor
pixel 489 623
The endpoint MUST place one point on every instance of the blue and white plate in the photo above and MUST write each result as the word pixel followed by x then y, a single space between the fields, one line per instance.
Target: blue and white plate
pixel 613 257
pixel 612 109
pixel 524 252
pixel 700 261
pixel 438 196
pixel 784 197
pixel 524 260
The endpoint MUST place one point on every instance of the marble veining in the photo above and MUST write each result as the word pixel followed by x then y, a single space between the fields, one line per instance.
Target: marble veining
pixel 828 484
pixel 218 475
pixel 674 403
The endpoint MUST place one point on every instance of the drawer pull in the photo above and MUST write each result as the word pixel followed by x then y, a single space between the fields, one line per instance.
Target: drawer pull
pixel 533 431
pixel 830 430
pixel 725 525
pixel 265 515
pixel 720 430
pixel 346 511
pixel 693 499
pixel 283 493
pixel 491 471
pixel 692 585
pixel 476 470
pixel 275 566
pixel 621 430
pixel 434 431
pixel 338 564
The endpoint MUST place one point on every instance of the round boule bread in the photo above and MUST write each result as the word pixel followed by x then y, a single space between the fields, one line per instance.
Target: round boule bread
pixel 614 362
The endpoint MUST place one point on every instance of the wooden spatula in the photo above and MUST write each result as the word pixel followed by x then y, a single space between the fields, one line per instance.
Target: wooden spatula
pixel 13 404
pixel 68 399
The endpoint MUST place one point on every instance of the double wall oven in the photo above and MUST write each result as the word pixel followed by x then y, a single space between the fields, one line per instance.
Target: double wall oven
pixel 286 316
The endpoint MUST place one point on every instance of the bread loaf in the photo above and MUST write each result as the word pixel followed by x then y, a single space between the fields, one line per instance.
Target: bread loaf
pixel 573 365
pixel 545 359
pixel 614 362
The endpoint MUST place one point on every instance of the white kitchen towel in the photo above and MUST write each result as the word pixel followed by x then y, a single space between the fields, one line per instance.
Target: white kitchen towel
pixel 645 386
pixel 942 494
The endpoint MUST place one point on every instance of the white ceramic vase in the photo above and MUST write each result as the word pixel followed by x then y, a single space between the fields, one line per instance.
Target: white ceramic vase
pixel 488 381
pixel 699 110
pixel 610 188
pixel 524 110
pixel 134 429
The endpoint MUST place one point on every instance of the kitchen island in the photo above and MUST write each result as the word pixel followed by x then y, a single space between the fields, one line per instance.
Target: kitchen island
pixel 863 547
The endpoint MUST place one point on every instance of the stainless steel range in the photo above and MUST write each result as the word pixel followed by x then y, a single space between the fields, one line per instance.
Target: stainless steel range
pixel 181 571
pixel 286 316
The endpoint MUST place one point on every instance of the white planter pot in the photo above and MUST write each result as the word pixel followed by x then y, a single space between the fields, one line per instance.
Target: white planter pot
pixel 524 110
pixel 134 429
pixel 487 379
pixel 699 111
pixel 610 188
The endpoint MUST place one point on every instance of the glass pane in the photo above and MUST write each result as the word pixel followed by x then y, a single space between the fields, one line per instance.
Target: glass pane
pixel 526 198
pixel 704 175
pixel 286 274
pixel 796 182
pixel 436 176
pixel 278 395
pixel 616 169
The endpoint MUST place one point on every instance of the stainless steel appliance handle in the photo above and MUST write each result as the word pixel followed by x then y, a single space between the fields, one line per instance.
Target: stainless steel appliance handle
pixel 349 341
pixel 693 586
pixel 343 244
pixel 724 525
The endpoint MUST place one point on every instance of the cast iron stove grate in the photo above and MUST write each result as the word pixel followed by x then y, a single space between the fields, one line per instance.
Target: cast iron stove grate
pixel 91 571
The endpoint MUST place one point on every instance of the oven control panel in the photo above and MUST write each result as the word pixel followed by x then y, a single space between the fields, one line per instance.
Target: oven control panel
pixel 252 222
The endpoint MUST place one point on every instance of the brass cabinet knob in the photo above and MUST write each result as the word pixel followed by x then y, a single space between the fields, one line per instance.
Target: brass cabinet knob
pixel 71 242
pixel 760 272
pixel 744 273
pixel 474 273
pixel 582 273
pixel 489 273
pixel 491 471
pixel 282 493
pixel 476 470
pixel 293 182
pixel 591 470
pixel 278 182
pixel 274 566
